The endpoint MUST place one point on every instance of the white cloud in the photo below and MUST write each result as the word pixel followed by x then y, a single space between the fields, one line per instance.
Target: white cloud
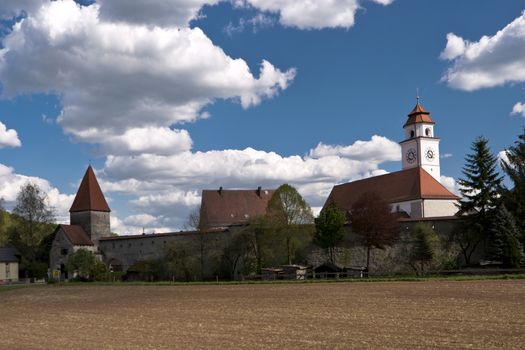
pixel 144 140
pixel 503 157
pixel 8 137
pixel 11 183
pixel 12 8
pixel 491 61
pixel 446 155
pixel 378 149
pixel 257 22
pixel 168 13
pixel 455 47
pixel 137 77
pixel 308 14
pixel 383 2
pixel 519 108
pixel 451 184
pixel 169 186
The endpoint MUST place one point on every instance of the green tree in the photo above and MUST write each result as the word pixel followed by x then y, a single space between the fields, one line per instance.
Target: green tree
pixel 425 248
pixel 288 212
pixel 329 230
pixel 373 220
pixel 83 263
pixel 32 208
pixel 514 167
pixel 481 189
pixel 504 244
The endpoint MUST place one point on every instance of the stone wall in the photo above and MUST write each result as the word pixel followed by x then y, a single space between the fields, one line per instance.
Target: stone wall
pixel 394 259
pixel 124 252
pixel 95 223
pixel 61 249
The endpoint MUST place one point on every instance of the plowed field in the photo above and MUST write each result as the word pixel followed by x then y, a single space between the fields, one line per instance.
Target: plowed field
pixel 402 315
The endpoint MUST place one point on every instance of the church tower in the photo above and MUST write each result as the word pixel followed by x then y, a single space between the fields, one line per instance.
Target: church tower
pixel 420 148
pixel 90 209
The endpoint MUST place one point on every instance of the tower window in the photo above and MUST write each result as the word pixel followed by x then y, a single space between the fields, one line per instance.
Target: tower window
pixel 412 133
pixel 427 132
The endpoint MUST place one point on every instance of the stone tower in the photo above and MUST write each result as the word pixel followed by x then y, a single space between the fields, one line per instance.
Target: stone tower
pixel 90 209
pixel 420 148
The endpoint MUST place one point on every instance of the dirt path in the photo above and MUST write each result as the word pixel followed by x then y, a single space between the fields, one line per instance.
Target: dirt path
pixel 403 315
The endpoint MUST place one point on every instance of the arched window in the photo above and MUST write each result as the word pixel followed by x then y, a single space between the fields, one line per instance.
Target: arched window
pixel 412 133
pixel 428 132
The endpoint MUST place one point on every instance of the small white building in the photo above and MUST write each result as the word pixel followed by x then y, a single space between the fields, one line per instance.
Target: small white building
pixel 9 259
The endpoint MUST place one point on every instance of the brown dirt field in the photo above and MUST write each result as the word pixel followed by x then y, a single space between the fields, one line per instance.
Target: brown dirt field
pixel 402 315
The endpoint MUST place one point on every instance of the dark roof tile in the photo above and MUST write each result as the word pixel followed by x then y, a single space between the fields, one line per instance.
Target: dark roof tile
pixel 222 208
pixel 76 234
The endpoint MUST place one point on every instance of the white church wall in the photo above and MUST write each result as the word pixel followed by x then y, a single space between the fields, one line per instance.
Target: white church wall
pixel 439 207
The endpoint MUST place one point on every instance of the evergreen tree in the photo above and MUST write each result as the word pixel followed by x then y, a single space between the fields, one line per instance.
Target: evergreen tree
pixel 329 229
pixel 481 189
pixel 425 247
pixel 504 244
pixel 481 185
pixel 514 167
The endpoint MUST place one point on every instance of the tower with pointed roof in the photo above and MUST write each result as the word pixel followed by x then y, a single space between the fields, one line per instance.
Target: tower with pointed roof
pixel 420 147
pixel 90 209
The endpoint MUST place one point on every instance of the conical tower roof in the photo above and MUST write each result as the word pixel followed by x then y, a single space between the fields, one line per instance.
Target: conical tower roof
pixel 419 115
pixel 89 195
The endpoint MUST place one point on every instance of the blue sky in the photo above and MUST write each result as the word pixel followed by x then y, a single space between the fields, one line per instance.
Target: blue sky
pixel 166 98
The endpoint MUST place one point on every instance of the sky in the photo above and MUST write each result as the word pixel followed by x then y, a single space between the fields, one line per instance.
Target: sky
pixel 165 98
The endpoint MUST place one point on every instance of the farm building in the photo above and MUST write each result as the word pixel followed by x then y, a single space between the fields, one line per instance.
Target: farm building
pixel 9 259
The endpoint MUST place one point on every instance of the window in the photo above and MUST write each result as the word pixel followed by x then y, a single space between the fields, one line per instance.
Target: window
pixel 428 132
pixel 7 270
pixel 412 133
pixel 64 251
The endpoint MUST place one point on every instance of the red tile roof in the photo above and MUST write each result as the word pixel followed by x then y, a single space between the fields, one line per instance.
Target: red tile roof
pixel 76 234
pixel 89 195
pixel 400 186
pixel 419 115
pixel 222 208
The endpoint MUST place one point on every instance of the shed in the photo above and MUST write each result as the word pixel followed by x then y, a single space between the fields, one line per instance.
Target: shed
pixel 9 260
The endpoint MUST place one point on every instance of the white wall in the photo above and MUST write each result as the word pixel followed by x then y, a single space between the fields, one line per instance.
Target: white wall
pixel 439 207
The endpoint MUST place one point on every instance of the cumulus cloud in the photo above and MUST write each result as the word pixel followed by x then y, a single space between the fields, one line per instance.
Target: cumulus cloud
pixel 492 61
pixel 11 183
pixel 519 108
pixel 378 149
pixel 169 13
pixel 169 186
pixel 8 137
pixel 451 184
pixel 13 8
pixel 145 140
pixel 305 14
pixel 137 77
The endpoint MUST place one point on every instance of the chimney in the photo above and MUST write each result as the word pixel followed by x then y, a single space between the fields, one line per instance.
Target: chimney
pixel 220 191
pixel 259 191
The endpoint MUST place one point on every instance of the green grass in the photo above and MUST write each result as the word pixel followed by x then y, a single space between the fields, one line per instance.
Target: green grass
pixel 342 280
pixel 383 279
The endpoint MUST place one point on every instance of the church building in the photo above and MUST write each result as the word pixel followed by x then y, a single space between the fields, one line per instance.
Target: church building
pixel 415 192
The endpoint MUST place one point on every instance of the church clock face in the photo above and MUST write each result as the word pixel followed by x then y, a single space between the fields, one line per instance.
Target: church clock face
pixel 411 155
pixel 430 154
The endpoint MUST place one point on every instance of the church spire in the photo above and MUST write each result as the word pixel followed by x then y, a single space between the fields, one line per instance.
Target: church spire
pixel 89 196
